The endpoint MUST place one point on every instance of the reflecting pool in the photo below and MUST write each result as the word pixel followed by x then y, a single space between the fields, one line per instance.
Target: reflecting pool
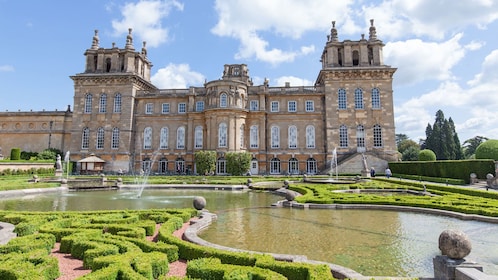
pixel 369 241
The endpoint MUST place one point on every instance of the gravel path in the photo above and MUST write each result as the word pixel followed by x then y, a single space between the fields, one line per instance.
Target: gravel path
pixel 72 268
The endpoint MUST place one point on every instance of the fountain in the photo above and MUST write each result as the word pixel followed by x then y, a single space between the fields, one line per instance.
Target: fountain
pixel 145 175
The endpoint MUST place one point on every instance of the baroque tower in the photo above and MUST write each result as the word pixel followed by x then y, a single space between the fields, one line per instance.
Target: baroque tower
pixel 104 102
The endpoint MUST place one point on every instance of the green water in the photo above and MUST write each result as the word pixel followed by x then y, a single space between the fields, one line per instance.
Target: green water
pixel 370 242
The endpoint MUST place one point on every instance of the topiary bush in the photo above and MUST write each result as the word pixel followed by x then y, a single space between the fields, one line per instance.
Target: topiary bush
pixel 426 155
pixel 487 150
pixel 15 154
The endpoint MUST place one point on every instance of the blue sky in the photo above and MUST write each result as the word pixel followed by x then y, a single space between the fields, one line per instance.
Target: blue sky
pixel 446 51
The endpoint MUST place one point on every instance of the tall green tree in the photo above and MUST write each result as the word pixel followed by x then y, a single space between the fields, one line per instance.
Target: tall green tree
pixel 205 162
pixel 238 163
pixel 400 138
pixel 470 145
pixel 442 138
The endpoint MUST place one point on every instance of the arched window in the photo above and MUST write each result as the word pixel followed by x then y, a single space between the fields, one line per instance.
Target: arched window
pixel 360 138
pixel 117 103
pixel 311 166
pixel 222 135
pixel 275 137
pixel 180 165
pixel 180 138
pixel 163 138
pixel 375 98
pixel 100 138
pixel 148 138
pixel 292 134
pixel 343 136
pixel 198 137
pixel 108 64
pixel 223 100
pixel 115 138
pixel 274 166
pixel 254 136
pixel 358 98
pixel 310 137
pixel 356 58
pixel 341 99
pixel 377 136
pixel 88 103
pixel 103 103
pixel 162 166
pixel 85 138
pixel 293 166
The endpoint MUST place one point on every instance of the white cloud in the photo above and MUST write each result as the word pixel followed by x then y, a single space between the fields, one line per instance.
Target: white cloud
pixel 177 76
pixel 401 18
pixel 418 61
pixel 489 72
pixel 6 68
pixel 253 22
pixel 145 18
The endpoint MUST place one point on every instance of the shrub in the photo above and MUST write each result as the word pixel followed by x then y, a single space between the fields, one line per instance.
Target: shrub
pixel 15 154
pixel 487 150
pixel 426 155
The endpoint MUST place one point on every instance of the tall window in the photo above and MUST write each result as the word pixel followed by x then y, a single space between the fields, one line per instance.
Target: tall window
pixel 310 137
pixel 199 106
pixel 103 103
pixel 311 166
pixel 222 135
pixel 360 136
pixel 275 137
pixel 310 106
pixel 149 108
pixel 115 138
pixel 254 136
pixel 117 103
pixel 88 103
pixel 180 138
pixel 292 131
pixel 221 166
pixel 375 98
pixel 341 99
pixel 182 108
pixel 274 106
pixel 163 138
pixel 223 100
pixel 85 138
pixel 293 166
pixel 358 98
pixel 343 136
pixel 100 138
pixel 377 135
pixel 242 138
pixel 165 108
pixel 148 138
pixel 292 106
pixel 198 137
pixel 274 166
pixel 254 105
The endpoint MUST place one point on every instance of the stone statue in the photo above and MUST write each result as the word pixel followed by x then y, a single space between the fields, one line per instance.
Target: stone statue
pixel 58 163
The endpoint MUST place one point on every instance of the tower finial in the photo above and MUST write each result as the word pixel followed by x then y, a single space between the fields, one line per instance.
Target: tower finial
pixel 129 40
pixel 333 33
pixel 95 40
pixel 144 48
pixel 373 31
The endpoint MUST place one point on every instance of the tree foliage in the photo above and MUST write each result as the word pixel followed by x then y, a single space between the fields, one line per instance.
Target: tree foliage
pixel 205 162
pixel 470 145
pixel 238 163
pixel 410 153
pixel 442 138
pixel 426 155
pixel 488 150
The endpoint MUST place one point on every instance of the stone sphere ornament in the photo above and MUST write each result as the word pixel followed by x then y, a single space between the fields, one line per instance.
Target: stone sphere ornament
pixel 454 244
pixel 199 202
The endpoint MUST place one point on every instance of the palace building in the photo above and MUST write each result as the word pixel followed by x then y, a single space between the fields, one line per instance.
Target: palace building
pixel 121 117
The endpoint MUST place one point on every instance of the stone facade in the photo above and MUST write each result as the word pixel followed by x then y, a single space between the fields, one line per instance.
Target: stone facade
pixel 121 117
